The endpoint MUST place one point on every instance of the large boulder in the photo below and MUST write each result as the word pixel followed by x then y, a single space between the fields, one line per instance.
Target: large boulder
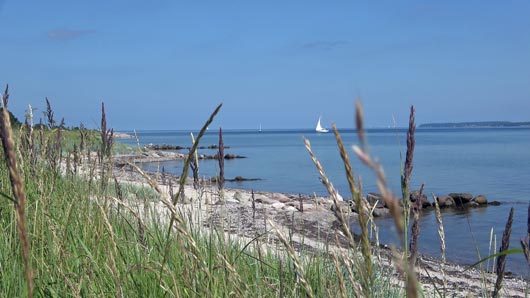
pixel 471 204
pixel 481 200
pixel 281 197
pixel 375 199
pixel 445 201
pixel 461 198
pixel 381 212
pixel 415 195
pixel 343 207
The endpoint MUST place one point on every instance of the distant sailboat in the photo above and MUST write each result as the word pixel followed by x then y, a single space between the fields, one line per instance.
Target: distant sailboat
pixel 259 128
pixel 319 127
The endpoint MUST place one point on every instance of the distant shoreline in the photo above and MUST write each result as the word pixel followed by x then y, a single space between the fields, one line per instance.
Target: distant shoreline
pixel 482 124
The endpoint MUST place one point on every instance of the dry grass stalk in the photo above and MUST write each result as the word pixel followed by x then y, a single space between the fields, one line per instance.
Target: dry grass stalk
pixel 415 230
pixel 334 195
pixel 83 135
pixel 174 199
pixel 357 197
pixel 441 234
pixel 501 261
pixel 193 149
pixel 391 201
pixel 221 154
pixel 253 204
pixel 17 184
pixel 389 198
pixel 194 164
pixel 290 251
pixel 528 225
pixel 407 172
pixel 525 243
pixel 49 114
pixel 301 207
pixel 29 140
pixel 106 135
pixel 359 124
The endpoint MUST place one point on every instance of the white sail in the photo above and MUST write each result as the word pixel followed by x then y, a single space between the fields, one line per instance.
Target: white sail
pixel 319 127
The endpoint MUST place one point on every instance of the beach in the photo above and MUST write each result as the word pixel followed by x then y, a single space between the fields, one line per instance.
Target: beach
pixel 309 220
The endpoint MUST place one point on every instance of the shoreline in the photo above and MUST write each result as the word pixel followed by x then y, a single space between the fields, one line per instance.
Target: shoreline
pixel 313 226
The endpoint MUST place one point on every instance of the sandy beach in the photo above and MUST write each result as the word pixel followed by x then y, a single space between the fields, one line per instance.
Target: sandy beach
pixel 309 220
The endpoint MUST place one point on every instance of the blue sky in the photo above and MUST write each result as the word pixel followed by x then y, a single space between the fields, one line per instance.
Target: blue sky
pixel 167 64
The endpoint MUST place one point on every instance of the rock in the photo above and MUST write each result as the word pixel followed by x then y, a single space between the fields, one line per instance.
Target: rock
pixel 481 199
pixel 344 207
pixel 281 197
pixel 461 198
pixel 424 200
pixel 238 197
pixel 232 156
pixel 445 201
pixel 278 205
pixel 381 212
pixel 375 198
pixel 471 204
pixel 494 203
pixel 242 179
pixel 290 209
pixel 264 199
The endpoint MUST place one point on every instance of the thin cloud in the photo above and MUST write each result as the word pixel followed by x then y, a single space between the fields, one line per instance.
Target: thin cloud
pixel 66 34
pixel 324 45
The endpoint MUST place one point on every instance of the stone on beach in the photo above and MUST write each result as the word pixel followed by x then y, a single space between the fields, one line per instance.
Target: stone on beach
pixel 445 201
pixel 415 195
pixel 375 198
pixel 461 198
pixel 481 199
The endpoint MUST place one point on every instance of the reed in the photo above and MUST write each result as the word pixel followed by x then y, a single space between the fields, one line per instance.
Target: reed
pixel 501 261
pixel 221 159
pixel 407 173
pixel 17 186
pixel 415 229
pixel 525 242
pixel 358 199
pixel 49 114
pixel 441 234
pixel 406 269
pixel 194 164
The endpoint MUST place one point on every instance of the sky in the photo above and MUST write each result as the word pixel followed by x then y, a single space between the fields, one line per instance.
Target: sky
pixel 167 64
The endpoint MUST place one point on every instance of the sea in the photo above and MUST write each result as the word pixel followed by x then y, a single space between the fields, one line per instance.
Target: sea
pixel 494 162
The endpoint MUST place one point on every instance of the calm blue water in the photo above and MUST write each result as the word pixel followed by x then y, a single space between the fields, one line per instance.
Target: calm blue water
pixel 494 162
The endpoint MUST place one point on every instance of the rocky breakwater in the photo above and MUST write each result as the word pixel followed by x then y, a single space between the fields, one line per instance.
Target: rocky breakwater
pixel 178 147
pixel 374 202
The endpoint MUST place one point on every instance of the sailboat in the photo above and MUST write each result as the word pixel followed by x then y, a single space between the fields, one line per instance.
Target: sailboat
pixel 319 127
